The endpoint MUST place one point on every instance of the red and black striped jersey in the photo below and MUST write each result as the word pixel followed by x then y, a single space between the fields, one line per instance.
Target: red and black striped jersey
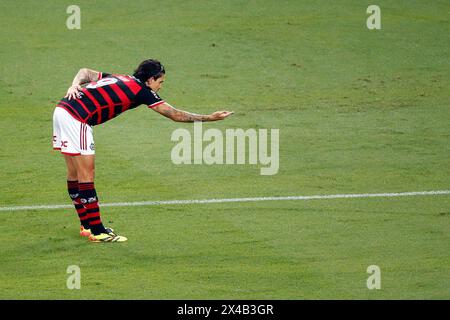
pixel 108 97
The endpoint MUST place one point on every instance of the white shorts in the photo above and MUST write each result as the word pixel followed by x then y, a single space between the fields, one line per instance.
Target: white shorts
pixel 71 136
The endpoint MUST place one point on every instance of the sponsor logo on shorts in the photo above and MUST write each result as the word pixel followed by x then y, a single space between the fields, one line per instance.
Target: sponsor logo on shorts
pixel 92 146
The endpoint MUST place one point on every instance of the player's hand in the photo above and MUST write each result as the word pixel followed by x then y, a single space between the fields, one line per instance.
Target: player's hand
pixel 220 115
pixel 73 92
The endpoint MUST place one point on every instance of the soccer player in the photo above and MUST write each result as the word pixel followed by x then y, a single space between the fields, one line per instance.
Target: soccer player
pixel 104 97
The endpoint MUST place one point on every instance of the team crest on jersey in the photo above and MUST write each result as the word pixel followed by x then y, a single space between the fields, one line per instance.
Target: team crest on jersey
pixel 92 146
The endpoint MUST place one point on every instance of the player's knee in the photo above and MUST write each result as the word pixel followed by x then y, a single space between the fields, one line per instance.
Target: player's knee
pixel 72 174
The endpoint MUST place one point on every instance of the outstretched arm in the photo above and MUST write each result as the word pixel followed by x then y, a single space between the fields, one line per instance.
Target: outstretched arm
pixel 83 76
pixel 182 116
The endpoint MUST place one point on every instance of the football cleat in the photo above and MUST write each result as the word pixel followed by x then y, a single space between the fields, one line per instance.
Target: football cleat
pixel 87 232
pixel 107 237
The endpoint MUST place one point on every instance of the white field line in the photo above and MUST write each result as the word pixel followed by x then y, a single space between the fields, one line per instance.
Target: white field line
pixel 170 202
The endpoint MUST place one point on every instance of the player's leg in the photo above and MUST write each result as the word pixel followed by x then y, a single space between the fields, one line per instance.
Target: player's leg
pixel 74 193
pixel 85 167
pixel 65 139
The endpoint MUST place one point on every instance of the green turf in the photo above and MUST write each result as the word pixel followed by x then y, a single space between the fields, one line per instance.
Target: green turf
pixel 359 111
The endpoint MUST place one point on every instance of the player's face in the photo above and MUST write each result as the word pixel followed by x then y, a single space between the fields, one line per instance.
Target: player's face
pixel 155 85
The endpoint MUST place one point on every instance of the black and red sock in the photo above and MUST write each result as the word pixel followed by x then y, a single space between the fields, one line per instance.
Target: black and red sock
pixel 74 193
pixel 89 199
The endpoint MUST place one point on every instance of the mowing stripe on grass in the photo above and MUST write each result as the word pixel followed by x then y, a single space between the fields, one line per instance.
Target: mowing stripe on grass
pixel 169 202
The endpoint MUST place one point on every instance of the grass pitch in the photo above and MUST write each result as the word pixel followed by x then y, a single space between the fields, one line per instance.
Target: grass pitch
pixel 359 111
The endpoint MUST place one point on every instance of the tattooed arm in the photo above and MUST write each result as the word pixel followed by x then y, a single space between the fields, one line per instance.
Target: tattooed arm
pixel 83 76
pixel 182 116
